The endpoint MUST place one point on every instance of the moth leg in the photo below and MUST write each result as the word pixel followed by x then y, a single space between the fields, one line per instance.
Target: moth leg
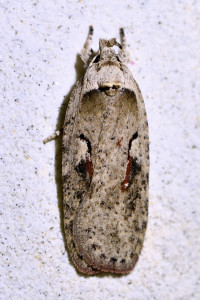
pixel 123 53
pixel 52 136
pixel 87 51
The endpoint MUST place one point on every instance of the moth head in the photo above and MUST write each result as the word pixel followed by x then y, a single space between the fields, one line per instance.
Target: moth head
pixel 107 70
pixel 107 52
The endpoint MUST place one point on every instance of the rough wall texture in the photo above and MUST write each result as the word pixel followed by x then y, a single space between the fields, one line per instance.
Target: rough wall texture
pixel 39 44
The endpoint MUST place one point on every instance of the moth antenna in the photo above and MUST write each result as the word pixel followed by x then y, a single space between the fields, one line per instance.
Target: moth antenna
pixel 88 42
pixel 87 51
pixel 123 53
pixel 123 38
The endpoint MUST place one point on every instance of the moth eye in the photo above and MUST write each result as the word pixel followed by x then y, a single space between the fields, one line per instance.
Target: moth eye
pixel 97 59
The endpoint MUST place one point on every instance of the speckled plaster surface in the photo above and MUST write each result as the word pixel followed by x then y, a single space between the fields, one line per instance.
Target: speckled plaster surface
pixel 39 44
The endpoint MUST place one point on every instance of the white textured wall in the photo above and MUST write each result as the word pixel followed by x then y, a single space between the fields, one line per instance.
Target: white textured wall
pixel 39 44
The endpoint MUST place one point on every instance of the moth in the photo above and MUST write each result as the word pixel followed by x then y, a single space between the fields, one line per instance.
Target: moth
pixel 105 163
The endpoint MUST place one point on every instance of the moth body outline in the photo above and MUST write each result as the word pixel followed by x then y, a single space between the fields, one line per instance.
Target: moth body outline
pixel 105 163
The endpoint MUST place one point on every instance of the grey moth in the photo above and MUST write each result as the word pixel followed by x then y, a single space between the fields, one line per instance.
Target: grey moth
pixel 105 163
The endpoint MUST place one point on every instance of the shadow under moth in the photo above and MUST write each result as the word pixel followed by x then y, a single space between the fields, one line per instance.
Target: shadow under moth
pixel 105 163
